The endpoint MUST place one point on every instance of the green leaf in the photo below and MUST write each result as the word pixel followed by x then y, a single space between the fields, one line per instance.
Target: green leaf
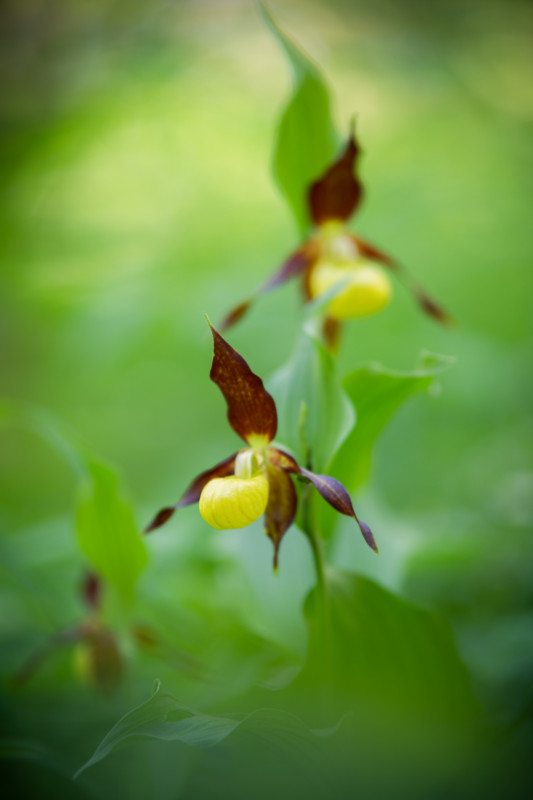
pixel 385 655
pixel 377 393
pixel 164 718
pixel 314 413
pixel 306 140
pixel 106 530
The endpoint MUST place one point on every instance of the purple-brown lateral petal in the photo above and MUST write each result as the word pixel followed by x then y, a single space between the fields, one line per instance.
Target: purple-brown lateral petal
pixel 194 490
pixel 294 266
pixel 432 308
pixel 426 303
pixel 281 508
pixel 336 195
pixel 374 254
pixel 251 410
pixel 336 495
pixel 237 313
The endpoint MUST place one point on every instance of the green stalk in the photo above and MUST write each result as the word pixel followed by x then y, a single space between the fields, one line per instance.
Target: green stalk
pixel 312 534
pixel 323 645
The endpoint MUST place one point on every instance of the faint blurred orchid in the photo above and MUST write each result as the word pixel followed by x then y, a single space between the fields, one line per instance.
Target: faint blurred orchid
pixel 334 257
pixel 257 479
pixel 97 659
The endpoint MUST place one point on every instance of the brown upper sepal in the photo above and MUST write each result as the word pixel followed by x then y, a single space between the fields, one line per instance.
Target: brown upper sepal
pixel 336 195
pixel 193 491
pixel 251 410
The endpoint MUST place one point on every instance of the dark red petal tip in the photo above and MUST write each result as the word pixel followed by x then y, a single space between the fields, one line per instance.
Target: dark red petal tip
pixel 193 491
pixel 337 194
pixel 434 310
pixel 160 518
pixel 372 252
pixel 91 590
pixel 426 303
pixel 331 331
pixel 251 410
pixel 368 535
pixel 295 265
pixel 235 315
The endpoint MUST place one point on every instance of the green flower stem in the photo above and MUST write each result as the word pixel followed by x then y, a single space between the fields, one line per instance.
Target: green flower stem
pixel 310 529
pixel 324 652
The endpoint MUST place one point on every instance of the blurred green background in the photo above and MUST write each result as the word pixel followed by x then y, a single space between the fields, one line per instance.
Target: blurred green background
pixel 137 196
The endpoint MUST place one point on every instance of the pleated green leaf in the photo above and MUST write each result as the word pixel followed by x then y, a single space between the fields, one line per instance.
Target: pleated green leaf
pixel 306 140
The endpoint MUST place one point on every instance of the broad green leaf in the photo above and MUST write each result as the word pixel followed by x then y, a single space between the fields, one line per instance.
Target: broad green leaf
pixel 164 718
pixel 394 658
pixel 306 140
pixel 394 670
pixel 377 393
pixel 106 530
pixel 314 413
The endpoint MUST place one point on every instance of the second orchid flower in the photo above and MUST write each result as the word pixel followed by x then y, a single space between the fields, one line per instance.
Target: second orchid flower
pixel 334 257
pixel 257 479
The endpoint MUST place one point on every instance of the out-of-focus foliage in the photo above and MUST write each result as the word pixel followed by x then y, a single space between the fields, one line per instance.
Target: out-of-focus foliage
pixel 106 531
pixel 315 413
pixel 136 197
pixel 377 393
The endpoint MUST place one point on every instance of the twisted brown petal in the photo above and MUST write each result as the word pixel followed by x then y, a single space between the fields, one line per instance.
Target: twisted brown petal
pixel 294 266
pixel 337 194
pixel 330 488
pixel 193 491
pixel 281 508
pixel 427 304
pixel 251 410
pixel 337 496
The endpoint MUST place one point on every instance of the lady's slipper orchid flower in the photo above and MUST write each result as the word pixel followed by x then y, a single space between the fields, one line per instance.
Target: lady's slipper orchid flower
pixel 332 255
pixel 257 479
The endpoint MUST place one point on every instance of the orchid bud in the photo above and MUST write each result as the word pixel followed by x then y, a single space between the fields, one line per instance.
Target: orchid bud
pixel 365 288
pixel 234 502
